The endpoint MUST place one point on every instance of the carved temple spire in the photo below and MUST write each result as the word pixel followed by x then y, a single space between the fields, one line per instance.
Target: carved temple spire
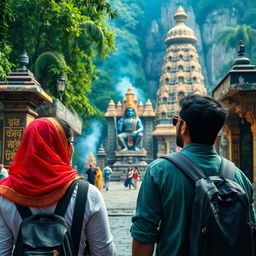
pixel 181 71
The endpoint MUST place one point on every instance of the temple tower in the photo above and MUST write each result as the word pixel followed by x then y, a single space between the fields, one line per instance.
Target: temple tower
pixel 181 75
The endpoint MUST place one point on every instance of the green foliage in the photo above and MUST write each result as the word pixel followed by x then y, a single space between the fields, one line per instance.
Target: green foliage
pixel 103 90
pixel 5 64
pixel 62 36
pixel 95 33
pixel 48 67
pixel 5 49
pixel 96 7
pixel 230 37
pixel 127 60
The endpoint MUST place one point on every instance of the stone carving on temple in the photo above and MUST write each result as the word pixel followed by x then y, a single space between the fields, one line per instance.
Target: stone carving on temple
pixel 181 75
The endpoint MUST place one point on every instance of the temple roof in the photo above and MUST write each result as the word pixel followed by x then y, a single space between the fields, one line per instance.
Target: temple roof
pixel 111 111
pixel 130 101
pixel 149 111
pixel 181 32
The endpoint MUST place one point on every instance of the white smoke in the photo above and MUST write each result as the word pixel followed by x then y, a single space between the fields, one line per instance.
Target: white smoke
pixel 124 84
pixel 90 142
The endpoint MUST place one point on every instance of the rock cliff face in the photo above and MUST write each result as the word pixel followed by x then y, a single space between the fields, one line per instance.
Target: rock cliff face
pixel 212 56
pixel 214 53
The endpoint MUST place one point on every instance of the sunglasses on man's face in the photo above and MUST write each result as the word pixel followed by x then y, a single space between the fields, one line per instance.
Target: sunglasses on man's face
pixel 176 119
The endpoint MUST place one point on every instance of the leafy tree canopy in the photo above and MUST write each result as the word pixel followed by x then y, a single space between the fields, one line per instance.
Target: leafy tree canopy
pixel 127 60
pixel 5 49
pixel 71 32
pixel 230 36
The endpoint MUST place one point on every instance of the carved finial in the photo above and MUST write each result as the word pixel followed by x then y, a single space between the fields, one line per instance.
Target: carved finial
pixel 111 111
pixel 111 103
pixel 101 150
pixel 23 60
pixel 180 15
pixel 241 60
pixel 241 48
pixel 149 109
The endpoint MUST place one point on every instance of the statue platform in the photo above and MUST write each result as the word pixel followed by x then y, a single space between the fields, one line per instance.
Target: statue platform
pixel 125 159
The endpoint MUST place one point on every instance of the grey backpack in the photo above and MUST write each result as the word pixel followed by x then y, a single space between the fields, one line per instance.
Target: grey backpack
pixel 48 234
pixel 220 222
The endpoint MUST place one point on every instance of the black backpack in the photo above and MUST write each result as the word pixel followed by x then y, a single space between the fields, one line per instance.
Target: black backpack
pixel 48 234
pixel 220 223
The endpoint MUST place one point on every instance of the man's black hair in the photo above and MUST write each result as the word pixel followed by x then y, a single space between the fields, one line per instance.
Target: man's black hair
pixel 204 116
pixel 67 129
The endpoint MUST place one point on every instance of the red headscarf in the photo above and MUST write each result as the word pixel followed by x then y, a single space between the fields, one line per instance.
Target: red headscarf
pixel 40 173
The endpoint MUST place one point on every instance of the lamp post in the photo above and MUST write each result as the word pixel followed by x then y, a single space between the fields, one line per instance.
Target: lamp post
pixel 61 84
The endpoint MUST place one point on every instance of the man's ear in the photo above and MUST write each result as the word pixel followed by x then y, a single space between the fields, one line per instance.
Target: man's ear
pixel 184 129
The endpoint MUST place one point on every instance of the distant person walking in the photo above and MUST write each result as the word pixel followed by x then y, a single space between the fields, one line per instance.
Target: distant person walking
pixel 91 174
pixel 107 171
pixel 129 177
pixel 98 178
pixel 136 177
pixel 3 172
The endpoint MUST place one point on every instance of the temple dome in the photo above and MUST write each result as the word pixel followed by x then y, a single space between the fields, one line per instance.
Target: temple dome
pixel 181 32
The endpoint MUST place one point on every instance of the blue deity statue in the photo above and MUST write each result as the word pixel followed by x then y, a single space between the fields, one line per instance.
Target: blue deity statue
pixel 130 131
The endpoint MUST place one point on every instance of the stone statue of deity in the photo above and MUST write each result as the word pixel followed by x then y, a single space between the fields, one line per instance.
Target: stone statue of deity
pixel 130 131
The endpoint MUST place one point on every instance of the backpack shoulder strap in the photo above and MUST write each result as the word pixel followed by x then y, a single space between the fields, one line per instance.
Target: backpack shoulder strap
pixel 62 204
pixel 78 215
pixel 227 169
pixel 185 165
pixel 24 211
pixel 61 207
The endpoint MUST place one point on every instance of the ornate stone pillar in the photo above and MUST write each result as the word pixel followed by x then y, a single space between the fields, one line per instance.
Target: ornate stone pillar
pixel 217 143
pixel 168 144
pixel 161 146
pixel 224 147
pixel 228 136
pixel 232 128
pixel 251 118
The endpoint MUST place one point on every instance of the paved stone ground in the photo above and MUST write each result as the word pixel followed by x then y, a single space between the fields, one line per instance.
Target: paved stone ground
pixel 120 228
pixel 121 203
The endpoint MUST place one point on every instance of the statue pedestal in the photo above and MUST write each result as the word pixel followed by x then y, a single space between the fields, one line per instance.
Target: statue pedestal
pixel 125 159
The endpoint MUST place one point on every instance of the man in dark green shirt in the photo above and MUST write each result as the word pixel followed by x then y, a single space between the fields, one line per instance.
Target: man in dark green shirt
pixel 166 194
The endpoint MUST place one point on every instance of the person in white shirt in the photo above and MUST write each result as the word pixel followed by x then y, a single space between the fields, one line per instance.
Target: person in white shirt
pixel 107 171
pixel 39 176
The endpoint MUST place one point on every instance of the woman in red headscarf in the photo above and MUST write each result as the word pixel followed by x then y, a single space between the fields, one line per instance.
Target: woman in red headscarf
pixel 39 176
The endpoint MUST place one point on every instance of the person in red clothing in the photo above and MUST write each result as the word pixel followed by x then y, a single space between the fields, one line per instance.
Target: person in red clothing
pixel 39 176
pixel 136 177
